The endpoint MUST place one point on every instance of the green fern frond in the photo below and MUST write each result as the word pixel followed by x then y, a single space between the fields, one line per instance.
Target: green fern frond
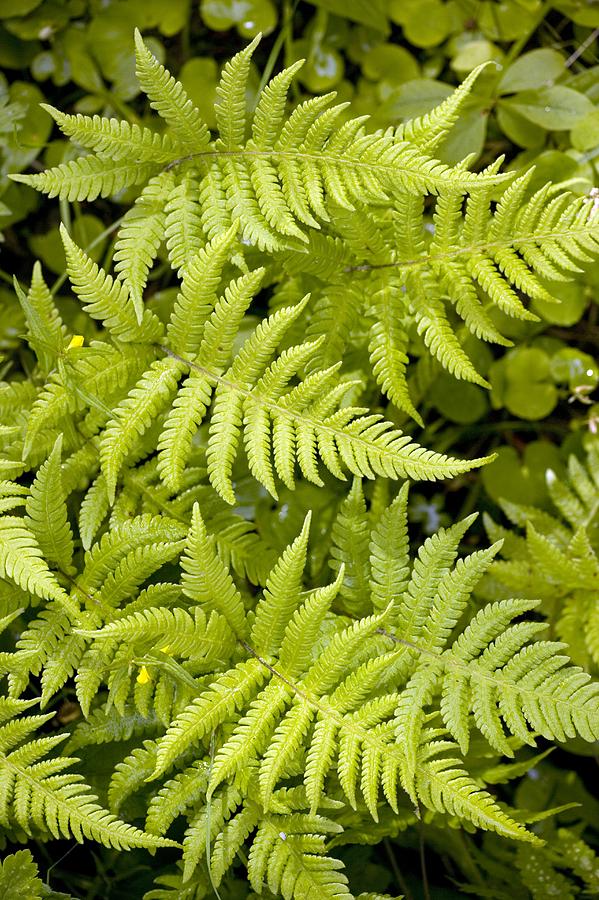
pixel 52 801
pixel 325 707
pixel 158 582
pixel 259 180
pixel 280 425
pixel 183 231
pixel 206 580
pixel 558 560
pixel 116 139
pixel 106 299
pixel 45 330
pixel 169 99
pixel 296 171
pixel 289 855
pixel 387 348
pixel 135 414
pixel 87 377
pixel 94 508
pixel 89 177
pixel 140 236
pixel 47 512
pixel 429 130
pixel 22 562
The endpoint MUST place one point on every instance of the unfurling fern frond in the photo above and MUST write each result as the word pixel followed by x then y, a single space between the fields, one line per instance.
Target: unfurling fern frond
pixel 558 559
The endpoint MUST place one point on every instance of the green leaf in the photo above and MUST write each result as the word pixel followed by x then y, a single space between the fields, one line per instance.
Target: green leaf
pixel 536 69
pixel 585 134
pixel 19 877
pixel 553 108
pixel 368 12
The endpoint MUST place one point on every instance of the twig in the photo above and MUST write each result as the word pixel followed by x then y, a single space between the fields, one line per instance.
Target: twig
pixel 580 50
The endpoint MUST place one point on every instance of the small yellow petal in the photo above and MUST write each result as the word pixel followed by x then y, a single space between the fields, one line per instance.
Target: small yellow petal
pixel 165 649
pixel 76 341
pixel 144 676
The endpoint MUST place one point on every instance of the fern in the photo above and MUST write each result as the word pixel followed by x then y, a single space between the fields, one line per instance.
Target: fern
pixel 258 178
pixel 274 175
pixel 282 425
pixel 321 707
pixel 39 796
pixel 557 561
pixel 205 553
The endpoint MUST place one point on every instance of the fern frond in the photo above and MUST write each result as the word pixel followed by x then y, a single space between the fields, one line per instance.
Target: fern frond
pixel 116 139
pixel 21 561
pixel 105 299
pixel 350 549
pixel 206 580
pixel 93 510
pixel 88 376
pixel 259 180
pixel 183 225
pixel 558 560
pixel 89 177
pixel 135 414
pixel 45 330
pixel 47 512
pixel 295 171
pixel 113 547
pixel 198 294
pixel 289 855
pixel 429 130
pixel 169 99
pixel 140 236
pixel 227 693
pixel 387 347
pixel 282 595
pixel 38 794
pixel 178 632
pixel 336 708
pixel 300 423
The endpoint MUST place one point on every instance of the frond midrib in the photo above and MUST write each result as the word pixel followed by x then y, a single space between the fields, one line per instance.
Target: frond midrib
pixel 321 158
pixel 473 249
pixel 451 662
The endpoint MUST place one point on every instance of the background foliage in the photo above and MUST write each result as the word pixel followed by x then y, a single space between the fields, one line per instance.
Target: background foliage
pixel 539 413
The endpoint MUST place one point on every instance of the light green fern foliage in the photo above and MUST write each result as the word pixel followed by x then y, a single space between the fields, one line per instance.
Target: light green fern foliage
pixel 39 797
pixel 341 207
pixel 374 711
pixel 192 369
pixel 556 559
pixel 266 716
pixel 269 705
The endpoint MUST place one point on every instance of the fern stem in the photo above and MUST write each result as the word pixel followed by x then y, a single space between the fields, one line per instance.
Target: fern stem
pixel 518 46
pixel 107 231
pixel 285 33
pixel 422 854
pixel 401 882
